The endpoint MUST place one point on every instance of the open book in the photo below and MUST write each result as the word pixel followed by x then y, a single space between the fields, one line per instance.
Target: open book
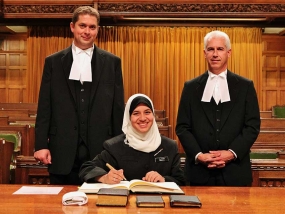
pixel 135 186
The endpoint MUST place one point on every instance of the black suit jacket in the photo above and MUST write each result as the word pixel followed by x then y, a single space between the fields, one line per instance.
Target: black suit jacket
pixel 240 125
pixel 57 117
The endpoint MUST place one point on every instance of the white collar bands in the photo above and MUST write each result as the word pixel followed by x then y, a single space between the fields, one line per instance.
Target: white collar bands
pixel 81 65
pixel 217 87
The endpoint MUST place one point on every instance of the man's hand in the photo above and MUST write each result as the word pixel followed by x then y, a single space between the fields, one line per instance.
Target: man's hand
pixel 43 156
pixel 216 159
pixel 225 155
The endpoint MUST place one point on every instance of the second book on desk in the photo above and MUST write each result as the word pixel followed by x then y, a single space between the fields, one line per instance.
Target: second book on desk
pixel 149 201
pixel 112 197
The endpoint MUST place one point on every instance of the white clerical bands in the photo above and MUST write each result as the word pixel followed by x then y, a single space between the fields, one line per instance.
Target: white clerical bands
pixel 81 66
pixel 216 87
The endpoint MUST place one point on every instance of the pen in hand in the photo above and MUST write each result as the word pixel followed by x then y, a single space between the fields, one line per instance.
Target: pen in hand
pixel 110 167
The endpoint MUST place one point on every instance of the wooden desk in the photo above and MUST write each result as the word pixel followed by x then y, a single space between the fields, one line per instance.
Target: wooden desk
pixel 214 199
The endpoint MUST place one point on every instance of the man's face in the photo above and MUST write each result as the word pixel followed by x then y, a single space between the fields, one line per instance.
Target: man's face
pixel 85 31
pixel 217 55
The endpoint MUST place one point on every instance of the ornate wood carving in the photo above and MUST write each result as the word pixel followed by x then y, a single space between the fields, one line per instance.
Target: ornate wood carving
pixel 149 8
pixel 41 9
pixel 272 183
pixel 193 8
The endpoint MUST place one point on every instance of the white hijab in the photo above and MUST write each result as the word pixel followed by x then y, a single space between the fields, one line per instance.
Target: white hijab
pixel 145 142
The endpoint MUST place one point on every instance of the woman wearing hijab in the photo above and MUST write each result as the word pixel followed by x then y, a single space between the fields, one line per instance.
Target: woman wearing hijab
pixel 140 153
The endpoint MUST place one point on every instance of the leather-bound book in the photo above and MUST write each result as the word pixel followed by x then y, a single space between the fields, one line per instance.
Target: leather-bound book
pixel 149 201
pixel 112 197
pixel 184 201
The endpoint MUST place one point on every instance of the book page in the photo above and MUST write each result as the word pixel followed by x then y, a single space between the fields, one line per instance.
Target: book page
pixel 165 185
pixel 94 187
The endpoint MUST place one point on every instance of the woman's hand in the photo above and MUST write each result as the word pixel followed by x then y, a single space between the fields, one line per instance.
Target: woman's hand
pixel 153 176
pixel 113 177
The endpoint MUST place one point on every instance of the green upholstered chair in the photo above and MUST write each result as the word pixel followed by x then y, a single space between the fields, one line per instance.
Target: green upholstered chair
pixel 263 155
pixel 278 111
pixel 14 137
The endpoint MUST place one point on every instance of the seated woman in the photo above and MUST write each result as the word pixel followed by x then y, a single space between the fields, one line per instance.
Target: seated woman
pixel 140 153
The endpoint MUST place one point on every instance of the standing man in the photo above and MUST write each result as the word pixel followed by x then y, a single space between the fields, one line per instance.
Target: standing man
pixel 81 101
pixel 218 120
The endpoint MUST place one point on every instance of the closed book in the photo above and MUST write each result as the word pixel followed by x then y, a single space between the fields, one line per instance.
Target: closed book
pixel 149 201
pixel 184 201
pixel 112 197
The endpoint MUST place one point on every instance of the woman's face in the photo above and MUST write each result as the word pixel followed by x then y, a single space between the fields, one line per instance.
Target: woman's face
pixel 142 118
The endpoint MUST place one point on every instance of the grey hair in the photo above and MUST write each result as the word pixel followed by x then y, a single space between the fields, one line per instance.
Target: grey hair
pixel 217 34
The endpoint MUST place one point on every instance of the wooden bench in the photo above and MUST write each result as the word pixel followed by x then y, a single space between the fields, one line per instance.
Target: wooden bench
pixel 273 129
pixel 165 131
pixel 27 137
pixel 11 108
pixel 15 112
pixel 6 152
pixel 272 123
pixel 30 106
pixel 22 120
pixel 4 120
pixel 162 121
pixel 265 114
pixel 29 171
pixel 268 145
pixel 270 140
pixel 271 136
pixel 159 113
pixel 268 172
pixel 14 137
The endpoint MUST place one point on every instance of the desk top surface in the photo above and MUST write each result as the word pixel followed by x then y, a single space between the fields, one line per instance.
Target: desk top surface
pixel 214 200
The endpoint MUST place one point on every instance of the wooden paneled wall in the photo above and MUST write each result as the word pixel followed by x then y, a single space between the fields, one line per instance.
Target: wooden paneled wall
pixel 273 72
pixel 13 67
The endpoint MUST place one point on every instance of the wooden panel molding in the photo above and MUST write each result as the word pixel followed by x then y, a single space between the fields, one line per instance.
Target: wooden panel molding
pixel 193 8
pixel 273 71
pixel 268 173
pixel 118 9
pixel 256 10
pixel 28 171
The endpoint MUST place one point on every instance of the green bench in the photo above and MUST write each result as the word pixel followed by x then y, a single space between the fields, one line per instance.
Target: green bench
pixel 278 111
pixel 12 136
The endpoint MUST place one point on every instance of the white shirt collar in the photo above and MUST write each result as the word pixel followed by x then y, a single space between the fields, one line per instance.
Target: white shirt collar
pixel 219 83
pixel 81 65
pixel 76 50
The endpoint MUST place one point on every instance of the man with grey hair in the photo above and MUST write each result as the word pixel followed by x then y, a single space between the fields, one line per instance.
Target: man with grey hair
pixel 218 120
